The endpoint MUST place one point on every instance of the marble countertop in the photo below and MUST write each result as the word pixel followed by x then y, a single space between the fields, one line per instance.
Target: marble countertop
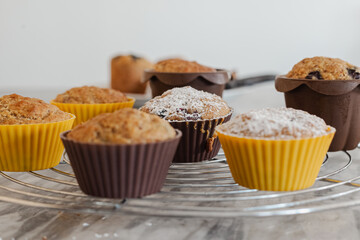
pixel 23 222
pixel 31 223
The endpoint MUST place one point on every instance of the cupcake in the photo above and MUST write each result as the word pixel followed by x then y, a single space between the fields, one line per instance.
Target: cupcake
pixel 177 72
pixel 86 102
pixel 127 73
pixel 196 113
pixel 328 88
pixel 29 133
pixel 124 154
pixel 275 149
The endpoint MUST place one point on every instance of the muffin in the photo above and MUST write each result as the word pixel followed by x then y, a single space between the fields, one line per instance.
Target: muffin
pixel 196 113
pixel 326 87
pixel 88 101
pixel 275 149
pixel 124 154
pixel 127 73
pixel 29 133
pixel 179 73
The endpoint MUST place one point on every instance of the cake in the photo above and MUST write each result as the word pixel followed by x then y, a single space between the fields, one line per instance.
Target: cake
pixel 127 73
pixel 187 103
pixel 275 149
pixel 91 95
pixel 196 113
pixel 181 66
pixel 16 109
pixel 29 133
pixel 324 68
pixel 176 72
pixel 124 154
pixel 125 126
pixel 88 101
pixel 327 88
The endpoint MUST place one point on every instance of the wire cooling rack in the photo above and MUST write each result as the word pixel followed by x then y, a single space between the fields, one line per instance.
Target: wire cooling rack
pixel 203 189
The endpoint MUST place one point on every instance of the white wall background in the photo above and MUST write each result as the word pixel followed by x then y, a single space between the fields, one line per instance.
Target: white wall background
pixel 50 44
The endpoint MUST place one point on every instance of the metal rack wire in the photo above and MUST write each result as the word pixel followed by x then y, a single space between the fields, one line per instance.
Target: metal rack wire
pixel 203 189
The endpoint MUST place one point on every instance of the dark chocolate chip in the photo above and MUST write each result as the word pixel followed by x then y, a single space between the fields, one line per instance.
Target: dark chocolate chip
pixel 194 116
pixel 315 74
pixel 353 73
pixel 356 75
pixel 134 57
pixel 190 115
pixel 162 113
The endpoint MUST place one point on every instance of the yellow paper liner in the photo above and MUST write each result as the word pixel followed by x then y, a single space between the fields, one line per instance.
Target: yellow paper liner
pixel 275 165
pixel 84 112
pixel 31 147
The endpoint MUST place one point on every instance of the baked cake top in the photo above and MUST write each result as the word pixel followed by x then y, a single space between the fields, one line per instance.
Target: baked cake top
pixel 125 126
pixel 187 103
pixel 324 68
pixel 181 66
pixel 16 109
pixel 276 123
pixel 91 95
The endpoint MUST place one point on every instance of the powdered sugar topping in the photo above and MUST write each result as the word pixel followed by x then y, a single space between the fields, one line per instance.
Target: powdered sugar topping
pixel 276 123
pixel 186 103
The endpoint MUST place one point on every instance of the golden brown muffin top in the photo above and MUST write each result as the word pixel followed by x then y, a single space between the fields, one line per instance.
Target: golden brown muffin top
pixel 187 103
pixel 324 68
pixel 181 66
pixel 276 123
pixel 131 60
pixel 91 95
pixel 125 126
pixel 16 109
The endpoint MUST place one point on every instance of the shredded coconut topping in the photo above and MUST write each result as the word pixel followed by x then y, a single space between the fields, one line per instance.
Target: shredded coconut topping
pixel 276 123
pixel 186 103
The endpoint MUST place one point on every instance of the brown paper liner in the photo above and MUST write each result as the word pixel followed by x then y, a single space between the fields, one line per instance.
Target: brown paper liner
pixel 199 141
pixel 213 82
pixel 120 170
pixel 335 101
